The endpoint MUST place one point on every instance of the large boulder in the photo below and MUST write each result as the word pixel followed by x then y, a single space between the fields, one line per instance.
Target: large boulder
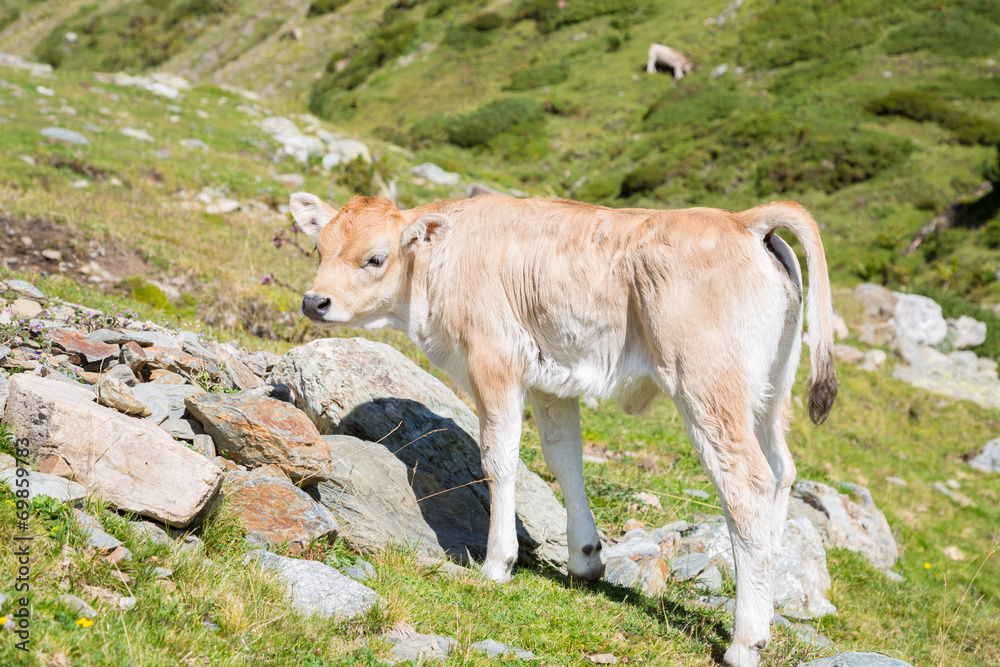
pixel 966 332
pixel 879 302
pixel 131 463
pixel 801 579
pixel 842 522
pixel 257 431
pixel 372 392
pixel 316 588
pixel 919 319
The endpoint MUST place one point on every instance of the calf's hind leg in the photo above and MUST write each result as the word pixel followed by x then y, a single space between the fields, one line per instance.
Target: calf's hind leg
pixel 723 436
pixel 559 428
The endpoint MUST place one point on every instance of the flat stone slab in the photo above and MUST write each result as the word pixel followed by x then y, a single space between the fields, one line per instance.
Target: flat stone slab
pixel 493 649
pixel 420 648
pixel 854 659
pixel 81 349
pixel 316 588
pixel 133 464
pixel 688 566
pixel 41 484
pixel 258 431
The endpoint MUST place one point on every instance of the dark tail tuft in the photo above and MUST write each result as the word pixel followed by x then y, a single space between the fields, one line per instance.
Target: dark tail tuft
pixel 821 396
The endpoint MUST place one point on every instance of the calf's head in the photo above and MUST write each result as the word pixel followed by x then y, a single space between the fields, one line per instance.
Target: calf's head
pixel 366 251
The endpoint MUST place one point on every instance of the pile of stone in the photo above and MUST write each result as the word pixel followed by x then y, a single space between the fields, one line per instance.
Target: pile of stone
pixel 315 141
pixel 933 347
pixel 819 517
pixel 339 436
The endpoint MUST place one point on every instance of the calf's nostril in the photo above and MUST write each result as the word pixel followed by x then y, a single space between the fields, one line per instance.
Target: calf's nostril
pixel 315 306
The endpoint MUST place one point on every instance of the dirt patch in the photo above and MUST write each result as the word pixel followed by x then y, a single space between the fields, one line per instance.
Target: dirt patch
pixel 39 245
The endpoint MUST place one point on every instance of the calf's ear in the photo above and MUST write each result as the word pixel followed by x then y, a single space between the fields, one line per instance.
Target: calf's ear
pixel 425 231
pixel 311 214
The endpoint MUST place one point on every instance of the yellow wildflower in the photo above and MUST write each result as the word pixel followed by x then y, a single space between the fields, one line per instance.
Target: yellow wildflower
pixel 927 566
pixel 84 622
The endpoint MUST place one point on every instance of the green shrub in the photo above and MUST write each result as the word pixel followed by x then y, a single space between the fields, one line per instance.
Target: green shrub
pixel 536 76
pixel 643 179
pixel 691 103
pixel 493 118
pixel 135 36
pixel 429 131
pixel 320 7
pixel 923 106
pixel 474 34
pixel 830 163
pixel 941 243
pixel 328 97
pixel 549 17
pixel 953 31
pixel 991 234
pixel 783 33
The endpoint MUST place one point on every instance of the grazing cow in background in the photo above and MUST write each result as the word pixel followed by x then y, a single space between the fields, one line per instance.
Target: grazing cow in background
pixel 553 300
pixel 668 57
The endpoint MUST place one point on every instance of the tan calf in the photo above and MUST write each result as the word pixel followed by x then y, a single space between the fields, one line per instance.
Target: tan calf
pixel 551 300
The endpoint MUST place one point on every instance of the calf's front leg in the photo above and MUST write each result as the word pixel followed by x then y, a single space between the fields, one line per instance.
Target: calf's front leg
pixel 559 427
pixel 499 402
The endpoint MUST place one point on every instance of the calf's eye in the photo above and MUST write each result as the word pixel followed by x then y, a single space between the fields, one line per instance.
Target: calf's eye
pixel 376 261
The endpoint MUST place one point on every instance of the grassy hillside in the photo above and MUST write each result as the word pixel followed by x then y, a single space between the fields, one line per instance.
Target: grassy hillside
pixel 875 115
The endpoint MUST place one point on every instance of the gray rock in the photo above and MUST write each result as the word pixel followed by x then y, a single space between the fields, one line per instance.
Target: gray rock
pixel 143 338
pixel 162 573
pixel 445 568
pixel 316 588
pixel 428 445
pixel 919 319
pixel 124 374
pixel 361 571
pixel 176 395
pixel 126 602
pixel 854 659
pixel 94 532
pixel 688 566
pixel 801 578
pixel 494 649
pixel 78 606
pixel 966 332
pixel 41 484
pixel 204 444
pixel 420 648
pixel 280 392
pixel 960 498
pixel 25 288
pixel 153 531
pixel 155 399
pixel 808 635
pixel 436 174
pixel 637 547
pixel 62 134
pixel 114 393
pixel 182 429
pixel 344 151
pixel 844 523
pixel 710 579
pixel 478 189
pixel 621 571
pixel 696 493
pixel 4 390
pixel 989 459
pixel 879 303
